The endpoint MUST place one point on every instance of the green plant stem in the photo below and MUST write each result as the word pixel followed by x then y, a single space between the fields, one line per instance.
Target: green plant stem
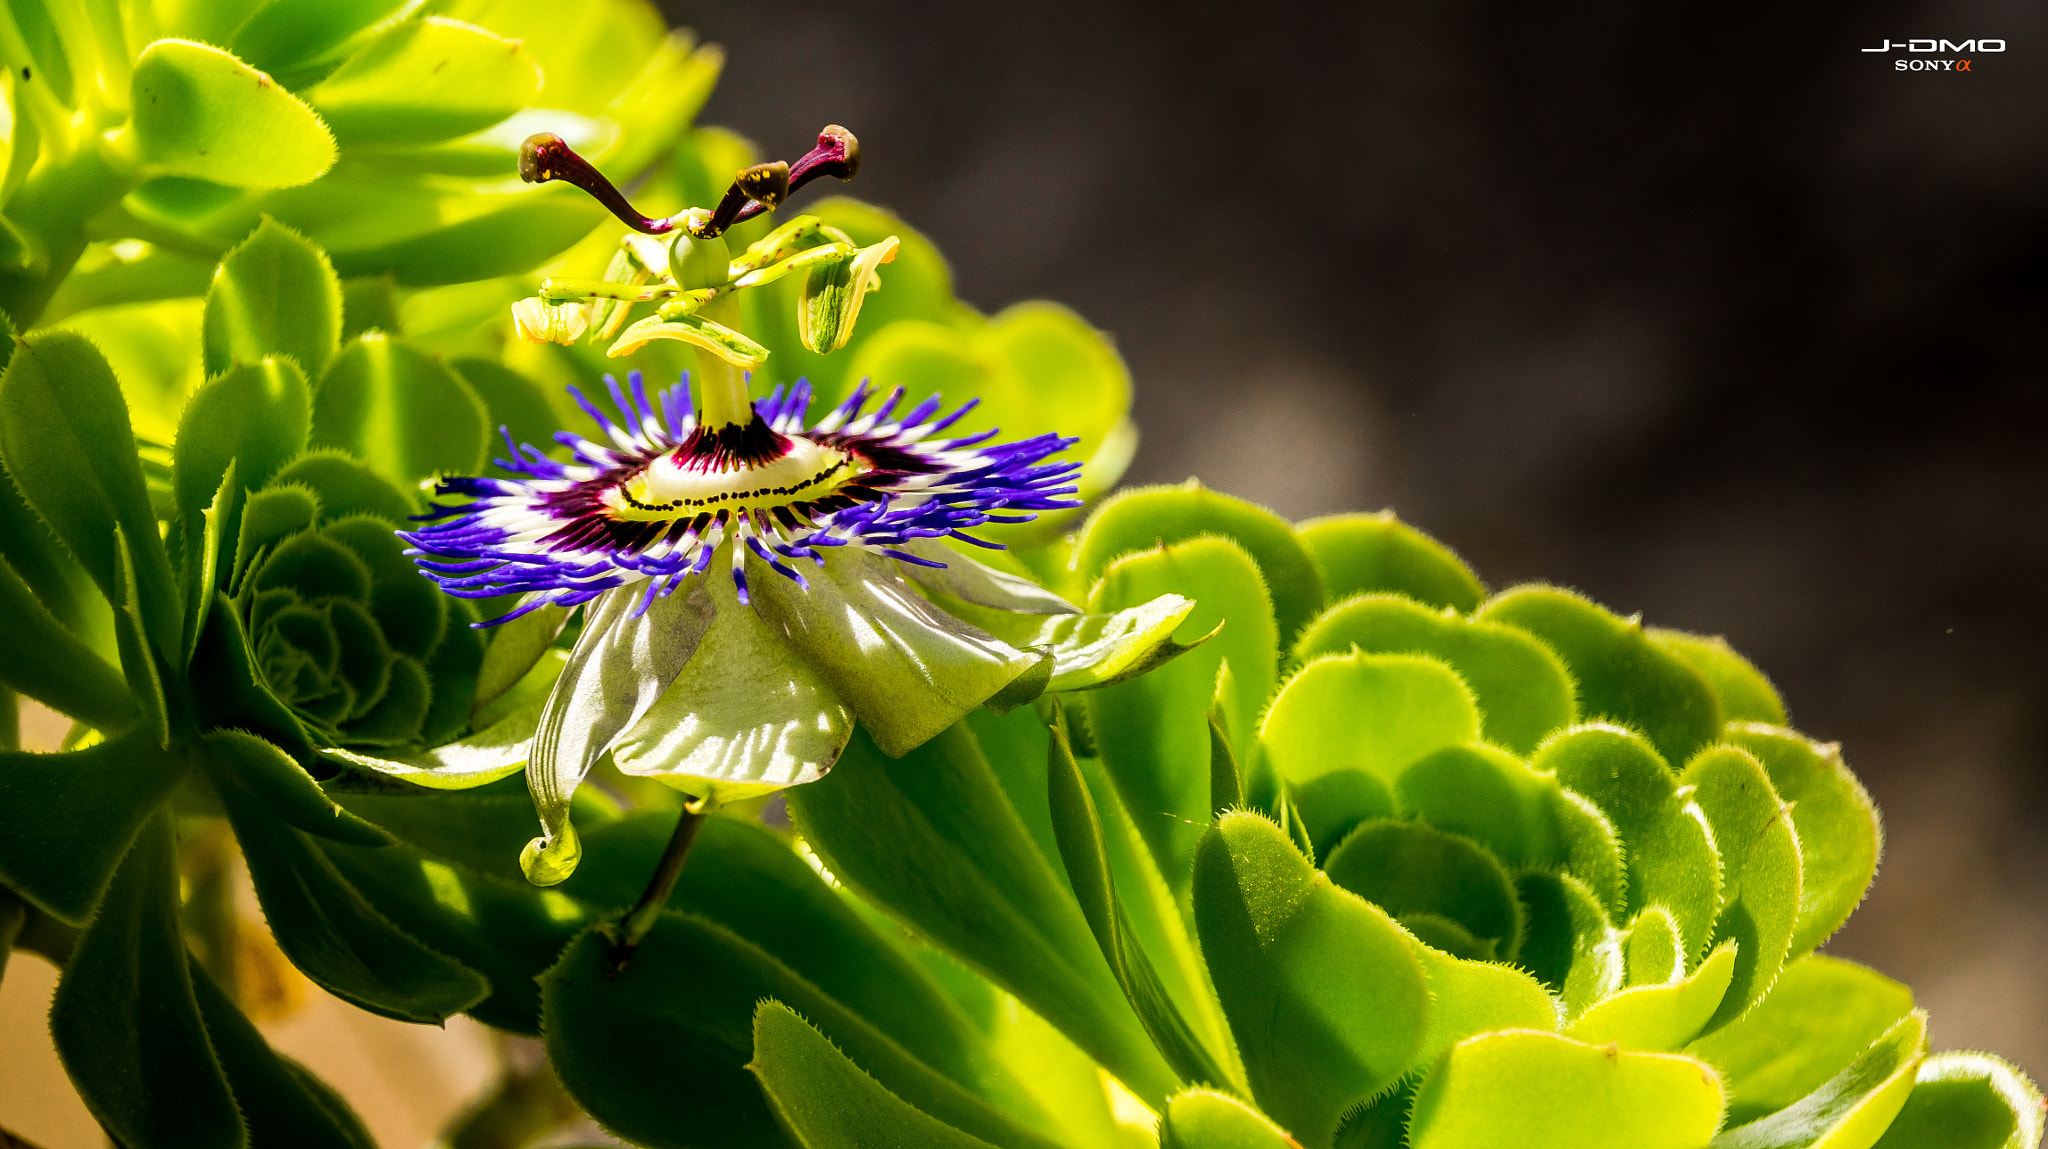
pixel 51 209
pixel 638 920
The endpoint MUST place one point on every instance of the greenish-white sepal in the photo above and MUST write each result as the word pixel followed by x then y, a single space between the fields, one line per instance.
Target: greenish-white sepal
pixel 908 669
pixel 1094 650
pixel 833 293
pixel 970 581
pixel 515 648
pixel 495 752
pixel 695 330
pixel 746 716
pixel 616 673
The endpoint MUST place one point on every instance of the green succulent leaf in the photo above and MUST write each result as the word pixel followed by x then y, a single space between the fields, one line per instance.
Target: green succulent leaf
pixel 1149 728
pixel 1521 1089
pixel 1521 815
pixel 515 403
pixel 1654 948
pixel 1468 997
pixel 1078 827
pixel 1205 1119
pixel 44 661
pixel 501 927
pixel 284 35
pixel 65 436
pixel 126 1022
pixel 932 839
pixel 1521 688
pixel 131 635
pixel 526 232
pixel 419 81
pixel 200 112
pixel 1850 1110
pixel 286 788
pixel 402 412
pixel 255 418
pixel 274 295
pixel 1659 1016
pixel 1378 553
pixel 516 646
pixel 67 819
pixel 281 1103
pixel 1570 945
pixel 1760 869
pixel 1145 518
pixel 1672 859
pixel 331 932
pixel 1621 673
pixel 1332 806
pixel 1413 868
pixel 1820 1015
pixel 1325 994
pixel 1744 693
pixel 1379 713
pixel 342 486
pixel 1840 837
pixel 667 1067
pixel 825 1100
pixel 1966 1100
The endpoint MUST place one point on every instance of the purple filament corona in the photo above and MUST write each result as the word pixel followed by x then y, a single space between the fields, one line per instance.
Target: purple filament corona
pixel 556 532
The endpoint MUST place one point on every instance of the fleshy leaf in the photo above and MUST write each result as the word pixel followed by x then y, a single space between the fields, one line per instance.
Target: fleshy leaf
pixel 746 716
pixel 826 1100
pixel 1143 518
pixel 331 932
pixel 419 81
pixel 275 294
pixel 1852 1109
pixel 1324 993
pixel 65 435
pixel 908 669
pixel 402 412
pixel 1659 1017
pixel 1371 553
pixel 200 112
pixel 618 670
pixel 1745 694
pixel 1078 827
pixel 125 1020
pixel 1409 867
pixel 286 788
pixel 1822 1013
pixel 1471 997
pixel 281 1102
pixel 1672 859
pixel 67 819
pixel 1966 1100
pixel 932 839
pixel 668 1069
pixel 515 647
pixel 44 661
pixel 1569 943
pixel 1840 837
pixel 1205 1119
pixel 344 486
pixel 1521 1089
pixel 1522 689
pixel 1149 728
pixel 1379 713
pixel 1760 869
pixel 1621 674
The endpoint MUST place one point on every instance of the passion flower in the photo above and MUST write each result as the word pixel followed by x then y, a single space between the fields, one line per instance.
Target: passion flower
pixel 746 581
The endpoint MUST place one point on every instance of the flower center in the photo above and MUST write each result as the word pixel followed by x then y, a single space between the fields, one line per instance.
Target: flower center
pixel 678 484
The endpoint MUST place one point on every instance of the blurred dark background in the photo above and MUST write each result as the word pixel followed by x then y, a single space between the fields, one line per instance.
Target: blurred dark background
pixel 1700 309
